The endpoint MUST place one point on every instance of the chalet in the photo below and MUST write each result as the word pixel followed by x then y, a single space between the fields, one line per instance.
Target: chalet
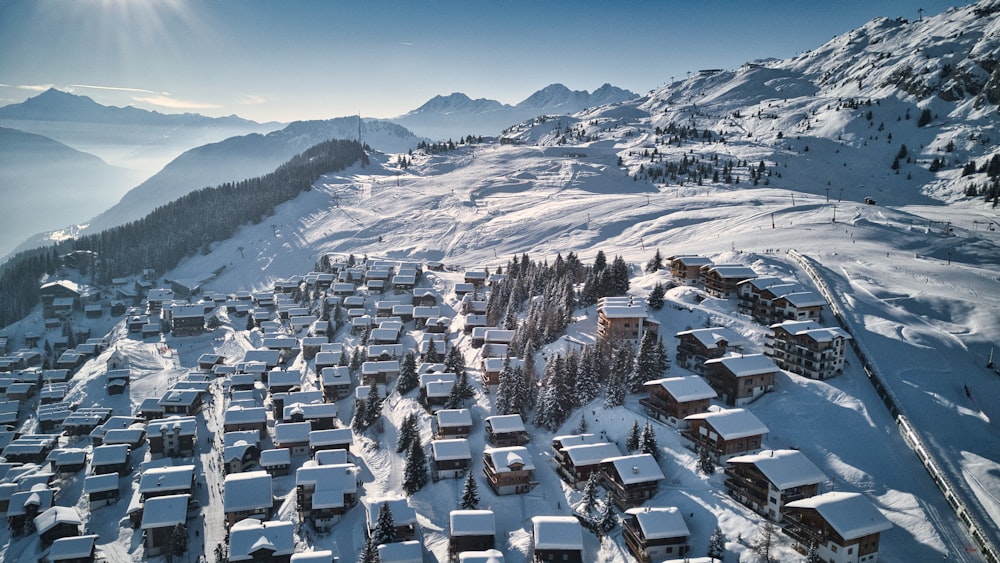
pixel 60 289
pixel 57 522
pixel 247 495
pixel 450 459
pixel 332 457
pixel 655 533
pixel 188 320
pixel 422 315
pixel 576 463
pixel 316 556
pixel 492 367
pixel 270 358
pixel 671 399
pixel 556 538
pixel 403 515
pixel 277 462
pixel 156 298
pixel 475 277
pixel 845 526
pixel 101 490
pixel 245 418
pixel 311 346
pixel 749 291
pixel 83 421
pixel 294 436
pixel 181 401
pixel 472 306
pixel 69 460
pixel 509 470
pixel 434 392
pixel 118 380
pixel 110 459
pixel 324 493
pixel 695 347
pixel 331 439
pixel 462 289
pixel 725 433
pixel 384 352
pixel 149 409
pixel 241 450
pixel 486 556
pixel 471 530
pixel 621 320
pixel 686 268
pixel 722 280
pixel 506 430
pixel 403 283
pixel 283 381
pixel 258 541
pixel 740 380
pixel 166 480
pixel 286 347
pixel 160 516
pixel 560 443
pixel 472 322
pixel 496 342
pixel 25 505
pixel 478 335
pixel 134 436
pixel 453 423
pixel 322 416
pixel 381 371
pixel 207 361
pixel 805 348
pixel 769 480
pixel 328 359
pixel 409 551
pixel 631 479
pixel 73 549
pixel 336 382
pixel 69 360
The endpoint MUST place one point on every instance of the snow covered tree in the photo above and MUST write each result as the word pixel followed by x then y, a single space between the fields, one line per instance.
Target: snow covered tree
pixel 656 295
pixel 408 432
pixel 555 402
pixel 647 443
pixel 462 387
pixel 662 357
pixel 647 364
pixel 589 502
pixel 764 543
pixel 454 361
pixel 369 554
pixel 634 436
pixel 705 463
pixel 373 404
pixel 357 358
pixel 587 383
pixel 614 390
pixel 358 424
pixel 408 378
pixel 179 540
pixel 607 519
pixel 470 493
pixel 432 356
pixel 415 471
pixel 655 263
pixel 717 544
pixel 812 555
pixel 385 526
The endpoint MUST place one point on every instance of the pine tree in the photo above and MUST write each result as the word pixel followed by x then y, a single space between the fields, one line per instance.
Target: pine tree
pixel 470 493
pixel 647 443
pixel 370 552
pixel 717 544
pixel 647 364
pixel 408 431
pixel 634 437
pixel 385 526
pixel 662 358
pixel 656 295
pixel 432 356
pixel 812 555
pixel 614 390
pixel 179 540
pixel 408 379
pixel 589 502
pixel 358 424
pixel 655 263
pixel 705 463
pixel 373 405
pixel 357 358
pixel 415 471
pixel 607 519
pixel 454 361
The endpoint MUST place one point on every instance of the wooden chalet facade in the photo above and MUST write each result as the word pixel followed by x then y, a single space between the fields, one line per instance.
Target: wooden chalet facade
pixel 631 479
pixel 695 347
pixel 725 433
pixel 722 280
pixel 805 348
pixel 845 526
pixel 556 538
pixel 671 399
pixel 622 320
pixel 655 533
pixel 506 430
pixel 740 380
pixel 769 480
pixel 509 471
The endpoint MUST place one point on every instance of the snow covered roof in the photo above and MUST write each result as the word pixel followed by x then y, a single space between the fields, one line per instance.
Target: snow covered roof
pixel 850 514
pixel 250 536
pixel 785 469
pixel 74 547
pixel 401 552
pixel 291 432
pixel 732 424
pixel 331 457
pixel 160 512
pixel 100 483
pixel 451 449
pixel 179 478
pixel 562 442
pixel 402 513
pixel 624 311
pixel 322 556
pixel 56 515
pixel 557 532
pixel 591 454
pixel 711 337
pixel 233 437
pixel 732 271
pixel 504 458
pixel 454 417
pixel 331 437
pixel 659 522
pixel 109 455
pixel 247 491
pixel 763 282
pixel 244 415
pixel 804 299
pixel 340 477
pixel 505 423
pixel 488 556
pixel 745 365
pixel 638 468
pixel 328 499
pixel 276 456
pixel 684 389
pixel 796 327
pixel 186 425
pixel 472 522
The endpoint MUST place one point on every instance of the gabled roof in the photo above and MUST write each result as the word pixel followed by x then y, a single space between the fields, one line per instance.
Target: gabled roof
pixel 340 477
pixel 785 469
pixel 74 547
pixel 591 454
pixel 277 456
pixel 451 449
pixel 850 514
pixel 160 512
pixel 732 424
pixel 506 423
pixel 504 458
pixel 247 491
pixel 251 536
pixel 401 552
pixel 684 389
pixel 745 365
pixel 557 532
pixel 472 522
pixel 179 478
pixel 659 522
pixel 402 513
pixel 454 417
pixel 804 299
pixel 711 337
pixel 639 468
pixel 56 515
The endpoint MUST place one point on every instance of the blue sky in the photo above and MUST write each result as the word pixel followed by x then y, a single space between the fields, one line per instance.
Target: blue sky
pixel 307 59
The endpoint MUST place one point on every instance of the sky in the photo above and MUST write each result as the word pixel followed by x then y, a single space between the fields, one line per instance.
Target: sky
pixel 309 59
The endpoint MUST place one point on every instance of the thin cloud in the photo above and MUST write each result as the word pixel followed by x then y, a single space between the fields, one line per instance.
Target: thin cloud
pixel 118 89
pixel 172 103
pixel 34 87
pixel 406 43
pixel 253 100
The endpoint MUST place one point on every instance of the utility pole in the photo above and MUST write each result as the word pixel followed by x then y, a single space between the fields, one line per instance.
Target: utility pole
pixel 828 195
pixel 834 213
pixel 920 14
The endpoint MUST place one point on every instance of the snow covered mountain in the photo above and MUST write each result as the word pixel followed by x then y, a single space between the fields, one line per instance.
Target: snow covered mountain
pixel 456 115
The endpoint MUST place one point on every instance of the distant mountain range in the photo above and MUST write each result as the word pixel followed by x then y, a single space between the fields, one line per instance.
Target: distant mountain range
pixel 456 115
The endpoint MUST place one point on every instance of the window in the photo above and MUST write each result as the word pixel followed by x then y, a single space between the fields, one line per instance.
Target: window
pixel 833 547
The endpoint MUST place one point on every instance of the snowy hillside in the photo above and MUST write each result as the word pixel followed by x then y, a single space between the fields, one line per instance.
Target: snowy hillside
pixel 767 166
